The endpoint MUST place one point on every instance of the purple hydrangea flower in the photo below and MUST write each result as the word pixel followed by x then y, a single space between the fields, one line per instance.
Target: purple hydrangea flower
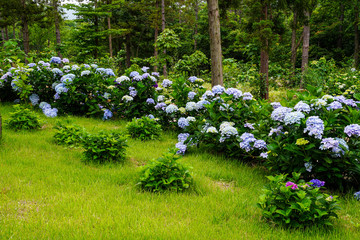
pixel 150 101
pixel 249 125
pixel 133 74
pixel 236 93
pixel 352 129
pixel 183 122
pixel 192 79
pixel 264 155
pixel 156 74
pixel 145 76
pixel 144 69
pixel 315 127
pixel 276 105
pixel 161 106
pixel 279 113
pixel 247 96
pixel 247 139
pixel 166 83
pixel 182 148
pixel 334 105
pixel 317 183
pixel 191 95
pixel 183 136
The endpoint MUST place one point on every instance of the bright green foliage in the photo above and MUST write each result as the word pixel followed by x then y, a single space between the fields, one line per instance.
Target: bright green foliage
pixel 144 128
pixel 105 147
pixel 165 174
pixel 71 135
pixel 298 204
pixel 195 64
pixel 23 119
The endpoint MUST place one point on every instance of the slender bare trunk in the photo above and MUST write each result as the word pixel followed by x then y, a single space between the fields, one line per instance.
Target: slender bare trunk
pixel 356 27
pixel 14 37
pixel 110 37
pixel 215 43
pixel 196 24
pixel 293 44
pixel 306 45
pixel 264 58
pixel 96 24
pixel 57 27
pixel 2 35
pixel 6 33
pixel 163 22
pixel 156 34
pixel 128 50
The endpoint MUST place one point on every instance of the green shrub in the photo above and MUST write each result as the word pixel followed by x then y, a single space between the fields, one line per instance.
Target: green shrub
pixel 71 135
pixel 23 119
pixel 295 203
pixel 165 174
pixel 105 147
pixel 144 128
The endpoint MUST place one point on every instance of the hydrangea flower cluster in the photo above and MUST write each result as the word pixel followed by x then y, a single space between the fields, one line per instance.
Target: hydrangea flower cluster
pixel 308 166
pixel 247 96
pixel 161 106
pixel 293 185
pixel 352 130
pixel 47 110
pixel 132 92
pixel 276 105
pixel 226 132
pixel 127 98
pixel 182 137
pixel 55 60
pixel 293 118
pixel 218 89
pixel 336 145
pixel 122 79
pixel 315 127
pixel 107 114
pixel 183 123
pixel 249 125
pixel 211 130
pixel 357 196
pixel 236 93
pixel 34 98
pixel 166 83
pixel 249 142
pixel 85 73
pixel 57 71
pixel 191 95
pixel 190 106
pixel 150 101
pixel 192 79
pixel 317 183
pixel 144 69
pixel 172 108
pixel 334 105
pixel 279 113
pixel 302 107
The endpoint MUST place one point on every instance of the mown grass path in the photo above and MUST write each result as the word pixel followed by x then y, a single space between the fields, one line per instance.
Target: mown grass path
pixel 48 192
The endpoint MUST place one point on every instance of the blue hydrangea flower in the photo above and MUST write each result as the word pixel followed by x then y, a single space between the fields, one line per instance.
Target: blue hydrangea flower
pixel 183 136
pixel 352 129
pixel 264 155
pixel 357 196
pixel 190 106
pixel 308 166
pixel 183 123
pixel 317 183
pixel 133 74
pixel 160 98
pixel 315 127
pixel 247 139
pixel 161 106
pixel 44 105
pixel 247 96
pixel 107 114
pixel 107 95
pixel 182 148
pixel 279 113
pixel 56 60
pixel 276 105
pixel 94 66
pixel 50 112
pixel 208 94
pixel 57 71
pixel 260 144
pixel 340 99
pixel 201 104
pixel 34 98
pixel 335 145
pixel 166 83
pixel 144 69
pixel 150 101
pixel 334 105
pixel 138 78
pixel 191 95
pixel 156 74
pixel 226 132
pixel 236 93
pixel 65 60
pixel 150 116
pixel 86 65
pixel 172 108
pixel 60 88
pixel 32 65
pixel 249 125
pixel 85 73
pixel 293 118
pixel 133 92
pixel 192 79
pixel 226 107
pixel 302 107
pixel 350 102
pixel 75 67
pixel 218 89
pixel 145 76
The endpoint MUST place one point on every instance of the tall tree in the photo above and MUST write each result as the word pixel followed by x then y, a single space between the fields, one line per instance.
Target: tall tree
pixel 356 35
pixel 55 5
pixel 215 43
pixel 163 25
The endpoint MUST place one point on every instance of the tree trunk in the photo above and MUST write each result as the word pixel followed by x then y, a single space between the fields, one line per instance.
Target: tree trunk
pixel 6 33
pixel 341 19
pixel 163 28
pixel 356 28
pixel 196 24
pixel 264 58
pixel 110 37
pixel 128 50
pixel 14 37
pixel 156 34
pixel 293 44
pixel 306 44
pixel 57 27
pixel 96 24
pixel 215 43
pixel 2 36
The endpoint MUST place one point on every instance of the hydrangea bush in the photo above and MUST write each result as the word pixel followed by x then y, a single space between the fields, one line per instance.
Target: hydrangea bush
pixel 316 138
pixel 296 203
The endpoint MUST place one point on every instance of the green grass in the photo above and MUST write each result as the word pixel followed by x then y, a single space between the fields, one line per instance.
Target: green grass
pixel 48 192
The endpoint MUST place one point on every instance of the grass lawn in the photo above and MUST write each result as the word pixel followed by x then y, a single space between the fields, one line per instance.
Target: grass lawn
pixel 48 192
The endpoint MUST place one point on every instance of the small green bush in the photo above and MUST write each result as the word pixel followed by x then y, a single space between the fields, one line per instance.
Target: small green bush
pixel 23 119
pixel 165 174
pixel 105 147
pixel 71 135
pixel 144 128
pixel 295 203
